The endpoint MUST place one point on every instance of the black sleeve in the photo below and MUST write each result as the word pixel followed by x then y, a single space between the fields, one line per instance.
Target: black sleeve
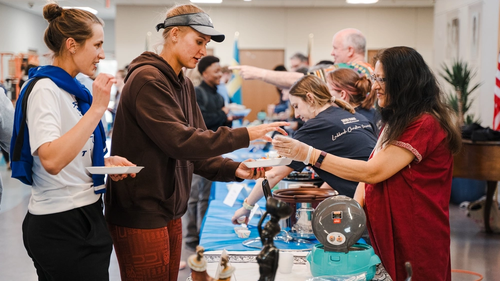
pixel 213 117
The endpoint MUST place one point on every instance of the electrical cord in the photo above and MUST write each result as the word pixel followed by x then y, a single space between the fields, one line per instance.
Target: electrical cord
pixel 409 272
pixel 468 272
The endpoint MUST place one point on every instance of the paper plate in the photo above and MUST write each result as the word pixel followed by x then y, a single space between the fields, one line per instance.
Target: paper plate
pixel 114 170
pixel 241 112
pixel 268 162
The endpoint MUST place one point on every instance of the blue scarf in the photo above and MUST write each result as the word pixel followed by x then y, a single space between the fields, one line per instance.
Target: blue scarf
pixel 22 170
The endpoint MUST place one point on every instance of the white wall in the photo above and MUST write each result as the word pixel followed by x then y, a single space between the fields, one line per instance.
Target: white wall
pixel 109 39
pixel 284 28
pixel 20 31
pixel 484 60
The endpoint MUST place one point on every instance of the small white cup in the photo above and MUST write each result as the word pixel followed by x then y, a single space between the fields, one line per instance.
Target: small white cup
pixel 285 263
pixel 244 233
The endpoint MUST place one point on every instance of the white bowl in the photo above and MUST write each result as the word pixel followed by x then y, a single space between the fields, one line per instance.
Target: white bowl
pixel 242 232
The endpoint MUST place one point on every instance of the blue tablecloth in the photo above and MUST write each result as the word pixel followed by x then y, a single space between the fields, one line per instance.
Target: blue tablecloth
pixel 217 231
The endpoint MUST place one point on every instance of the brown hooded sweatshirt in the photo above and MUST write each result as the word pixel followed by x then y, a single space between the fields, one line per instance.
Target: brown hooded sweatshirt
pixel 159 126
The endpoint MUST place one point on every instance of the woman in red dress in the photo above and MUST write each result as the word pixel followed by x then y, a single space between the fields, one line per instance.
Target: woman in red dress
pixel 405 185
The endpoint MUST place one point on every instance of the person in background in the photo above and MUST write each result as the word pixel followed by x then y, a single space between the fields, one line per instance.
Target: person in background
pixel 348 50
pixel 323 64
pixel 64 231
pixel 298 60
pixel 282 105
pixel 211 103
pixel 194 75
pixel 282 110
pixel 214 114
pixel 5 152
pixel 25 68
pixel 349 46
pixel 348 85
pixel 120 82
pixel 164 131
pixel 405 186
pixel 304 70
pixel 336 129
pixel 6 121
pixel 222 88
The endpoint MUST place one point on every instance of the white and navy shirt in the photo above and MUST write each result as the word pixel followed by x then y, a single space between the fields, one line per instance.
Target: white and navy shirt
pixel 51 113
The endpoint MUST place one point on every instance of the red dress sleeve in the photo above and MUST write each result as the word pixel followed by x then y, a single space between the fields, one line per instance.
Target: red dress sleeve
pixel 421 137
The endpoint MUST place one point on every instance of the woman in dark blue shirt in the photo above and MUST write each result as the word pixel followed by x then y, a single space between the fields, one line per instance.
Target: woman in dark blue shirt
pixel 331 125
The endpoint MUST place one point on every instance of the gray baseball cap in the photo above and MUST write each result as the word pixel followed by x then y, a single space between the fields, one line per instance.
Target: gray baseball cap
pixel 200 22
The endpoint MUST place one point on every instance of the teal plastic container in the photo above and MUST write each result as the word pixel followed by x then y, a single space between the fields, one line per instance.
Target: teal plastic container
pixel 361 258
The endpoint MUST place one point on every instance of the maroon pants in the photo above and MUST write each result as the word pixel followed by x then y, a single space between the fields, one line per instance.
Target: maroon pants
pixel 148 254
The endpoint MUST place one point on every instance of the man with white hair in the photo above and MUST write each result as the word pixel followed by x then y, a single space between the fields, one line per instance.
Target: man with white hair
pixel 348 50
pixel 349 46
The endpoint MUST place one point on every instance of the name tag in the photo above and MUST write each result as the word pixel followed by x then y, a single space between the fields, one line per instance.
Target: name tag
pixel 233 193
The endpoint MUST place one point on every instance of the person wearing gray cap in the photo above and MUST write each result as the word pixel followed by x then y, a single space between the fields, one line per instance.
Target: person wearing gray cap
pixel 159 126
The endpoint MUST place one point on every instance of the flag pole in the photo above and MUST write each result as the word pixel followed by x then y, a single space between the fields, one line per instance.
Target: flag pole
pixel 234 84
pixel 309 49
pixel 148 41
pixel 496 91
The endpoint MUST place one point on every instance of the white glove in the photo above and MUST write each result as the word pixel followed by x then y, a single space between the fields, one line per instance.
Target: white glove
pixel 240 216
pixel 291 148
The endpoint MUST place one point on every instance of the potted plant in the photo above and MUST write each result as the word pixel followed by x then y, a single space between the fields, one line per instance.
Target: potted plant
pixel 459 75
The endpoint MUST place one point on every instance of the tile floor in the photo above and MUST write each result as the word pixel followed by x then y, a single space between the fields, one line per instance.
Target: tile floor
pixel 471 249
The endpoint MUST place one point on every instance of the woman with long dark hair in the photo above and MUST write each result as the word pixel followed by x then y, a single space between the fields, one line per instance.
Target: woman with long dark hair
pixel 405 186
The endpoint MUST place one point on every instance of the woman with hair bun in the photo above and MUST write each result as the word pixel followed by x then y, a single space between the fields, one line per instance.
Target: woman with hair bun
pixel 336 129
pixel 349 85
pixel 160 126
pixel 64 231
